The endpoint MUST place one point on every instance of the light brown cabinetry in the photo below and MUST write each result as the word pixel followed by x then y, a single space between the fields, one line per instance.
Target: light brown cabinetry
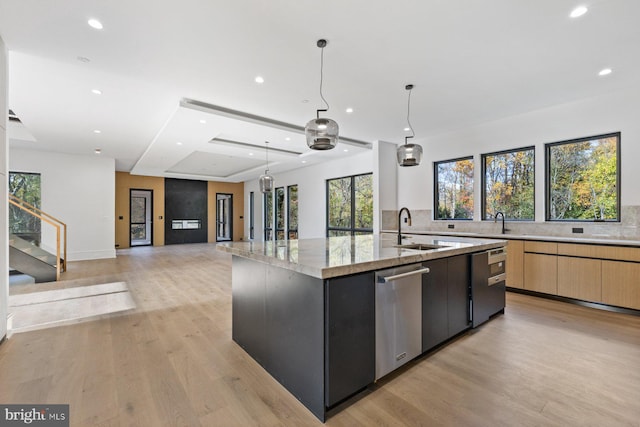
pixel 541 273
pixel 515 264
pixel 595 273
pixel 580 278
pixel 621 284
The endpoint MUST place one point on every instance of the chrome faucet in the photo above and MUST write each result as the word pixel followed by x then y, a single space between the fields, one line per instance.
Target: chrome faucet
pixel 400 223
pixel 495 219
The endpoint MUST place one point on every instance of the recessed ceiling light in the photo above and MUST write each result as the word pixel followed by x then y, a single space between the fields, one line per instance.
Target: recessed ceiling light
pixel 96 91
pixel 178 143
pixel 203 121
pixel 349 110
pixel 97 131
pixel 407 129
pixel 305 101
pixel 304 161
pixel 578 11
pixel 259 79
pixel 97 151
pixel 605 71
pixel 251 154
pixel 94 23
pixel 345 150
pixel 287 139
pixel 83 59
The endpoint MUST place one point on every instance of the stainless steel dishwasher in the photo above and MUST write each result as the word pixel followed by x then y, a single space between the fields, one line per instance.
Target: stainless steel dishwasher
pixel 398 316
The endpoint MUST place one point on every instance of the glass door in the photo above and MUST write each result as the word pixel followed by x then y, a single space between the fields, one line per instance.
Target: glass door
pixel 141 212
pixel 224 217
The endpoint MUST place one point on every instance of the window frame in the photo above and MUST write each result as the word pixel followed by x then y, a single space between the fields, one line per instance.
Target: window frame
pixel 436 192
pixel 547 182
pixel 288 217
pixel 352 229
pixel 266 220
pixel 483 184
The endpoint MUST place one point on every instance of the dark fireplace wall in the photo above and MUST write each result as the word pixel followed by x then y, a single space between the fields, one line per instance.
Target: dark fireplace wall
pixel 185 200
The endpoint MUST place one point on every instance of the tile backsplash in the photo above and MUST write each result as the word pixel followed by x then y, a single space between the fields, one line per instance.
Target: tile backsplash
pixel 422 220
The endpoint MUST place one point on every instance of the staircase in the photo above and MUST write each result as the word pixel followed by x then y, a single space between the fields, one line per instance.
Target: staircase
pixel 28 258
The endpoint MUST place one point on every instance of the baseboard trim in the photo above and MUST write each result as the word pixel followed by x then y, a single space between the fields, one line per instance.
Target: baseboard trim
pixel 598 306
pixel 89 255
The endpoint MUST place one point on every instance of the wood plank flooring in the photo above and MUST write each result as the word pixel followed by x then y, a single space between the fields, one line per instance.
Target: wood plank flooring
pixel 171 361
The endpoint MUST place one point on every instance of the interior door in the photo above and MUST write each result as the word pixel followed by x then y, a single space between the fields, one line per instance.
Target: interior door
pixel 224 217
pixel 141 212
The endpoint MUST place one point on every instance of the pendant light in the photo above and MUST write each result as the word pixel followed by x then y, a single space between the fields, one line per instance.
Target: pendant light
pixel 266 181
pixel 322 133
pixel 409 154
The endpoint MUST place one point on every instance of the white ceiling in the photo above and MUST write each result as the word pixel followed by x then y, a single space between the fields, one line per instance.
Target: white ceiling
pixel 470 61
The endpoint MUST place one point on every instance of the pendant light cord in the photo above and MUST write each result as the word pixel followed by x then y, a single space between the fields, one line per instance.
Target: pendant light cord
pixel 408 114
pixel 266 143
pixel 321 78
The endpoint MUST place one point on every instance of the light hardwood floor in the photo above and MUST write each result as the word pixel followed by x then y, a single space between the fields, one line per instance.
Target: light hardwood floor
pixel 172 361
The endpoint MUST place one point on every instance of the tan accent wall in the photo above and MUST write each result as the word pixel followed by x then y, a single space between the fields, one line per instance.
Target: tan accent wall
pixel 237 189
pixel 124 183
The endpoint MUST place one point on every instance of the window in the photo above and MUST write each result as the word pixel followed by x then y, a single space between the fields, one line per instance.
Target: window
pixel 453 188
pixel 268 216
pixel 251 215
pixel 280 213
pixel 350 205
pixel 583 179
pixel 25 186
pixel 292 211
pixel 509 184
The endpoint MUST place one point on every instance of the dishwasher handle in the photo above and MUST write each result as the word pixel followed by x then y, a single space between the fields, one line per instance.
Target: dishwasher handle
pixel 402 275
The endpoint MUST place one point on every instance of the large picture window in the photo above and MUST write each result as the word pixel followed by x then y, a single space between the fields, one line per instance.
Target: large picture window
pixel 292 211
pixel 583 179
pixel 453 188
pixel 25 186
pixel 280 213
pixel 350 205
pixel 268 216
pixel 509 184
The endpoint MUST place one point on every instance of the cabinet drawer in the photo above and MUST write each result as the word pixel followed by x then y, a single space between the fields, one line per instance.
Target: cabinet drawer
pixel 580 278
pixel 541 247
pixel 541 273
pixel 599 251
pixel 621 284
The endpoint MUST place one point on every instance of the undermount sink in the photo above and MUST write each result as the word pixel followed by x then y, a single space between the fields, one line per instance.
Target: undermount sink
pixel 419 246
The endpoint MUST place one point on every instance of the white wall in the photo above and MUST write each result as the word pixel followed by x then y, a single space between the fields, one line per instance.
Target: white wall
pixel 311 193
pixel 614 112
pixel 78 190
pixel 4 207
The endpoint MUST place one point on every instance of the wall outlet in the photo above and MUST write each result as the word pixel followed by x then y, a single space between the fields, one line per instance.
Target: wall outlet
pixel 577 230
pixel 451 226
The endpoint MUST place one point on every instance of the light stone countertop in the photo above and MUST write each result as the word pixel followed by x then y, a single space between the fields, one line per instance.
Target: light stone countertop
pixel 514 236
pixel 325 258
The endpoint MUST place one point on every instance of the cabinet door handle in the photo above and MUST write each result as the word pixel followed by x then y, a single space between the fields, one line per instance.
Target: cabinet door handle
pixel 401 275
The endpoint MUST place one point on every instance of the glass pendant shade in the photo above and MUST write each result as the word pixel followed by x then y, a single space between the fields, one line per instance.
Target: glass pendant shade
pixel 322 134
pixel 409 155
pixel 266 182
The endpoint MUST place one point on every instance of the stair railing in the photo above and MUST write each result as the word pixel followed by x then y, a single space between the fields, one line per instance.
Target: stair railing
pixel 61 262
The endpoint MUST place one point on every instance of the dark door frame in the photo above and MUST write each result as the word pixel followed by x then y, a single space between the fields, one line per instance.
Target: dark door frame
pixel 230 216
pixel 131 190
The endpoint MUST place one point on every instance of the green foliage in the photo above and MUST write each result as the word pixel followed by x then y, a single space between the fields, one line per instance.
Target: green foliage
pixel 455 189
pixel 509 184
pixel 25 186
pixel 583 180
pixel 341 192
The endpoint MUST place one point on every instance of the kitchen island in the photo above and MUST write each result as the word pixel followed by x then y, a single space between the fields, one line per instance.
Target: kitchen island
pixel 306 309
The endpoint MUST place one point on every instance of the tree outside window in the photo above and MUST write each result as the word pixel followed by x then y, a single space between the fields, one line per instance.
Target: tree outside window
pixel 350 205
pixel 454 189
pixel 509 184
pixel 583 179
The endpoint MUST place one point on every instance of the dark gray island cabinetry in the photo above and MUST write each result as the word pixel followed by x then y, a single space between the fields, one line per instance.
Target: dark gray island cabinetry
pixel 305 309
